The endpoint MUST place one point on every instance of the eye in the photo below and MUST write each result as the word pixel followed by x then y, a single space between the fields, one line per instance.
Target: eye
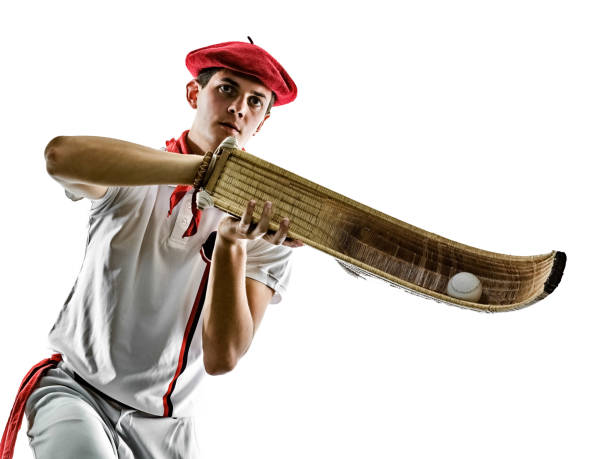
pixel 255 101
pixel 226 89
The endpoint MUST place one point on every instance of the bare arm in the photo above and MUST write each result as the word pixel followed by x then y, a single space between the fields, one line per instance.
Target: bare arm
pixel 234 305
pixel 87 165
pixel 228 325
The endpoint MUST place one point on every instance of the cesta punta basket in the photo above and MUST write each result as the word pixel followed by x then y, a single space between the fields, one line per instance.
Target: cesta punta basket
pixel 369 243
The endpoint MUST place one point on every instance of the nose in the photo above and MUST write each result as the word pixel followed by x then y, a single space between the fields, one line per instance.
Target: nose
pixel 237 107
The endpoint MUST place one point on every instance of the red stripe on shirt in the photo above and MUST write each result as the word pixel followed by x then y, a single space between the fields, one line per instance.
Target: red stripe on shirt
pixel 191 323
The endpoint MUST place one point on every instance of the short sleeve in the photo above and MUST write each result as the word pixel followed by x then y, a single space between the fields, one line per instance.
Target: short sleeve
pixel 111 192
pixel 121 196
pixel 269 264
pixel 109 196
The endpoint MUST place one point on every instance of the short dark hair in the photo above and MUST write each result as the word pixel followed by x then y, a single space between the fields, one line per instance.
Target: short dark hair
pixel 206 74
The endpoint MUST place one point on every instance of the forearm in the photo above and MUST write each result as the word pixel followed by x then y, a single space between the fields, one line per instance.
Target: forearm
pixel 105 161
pixel 228 325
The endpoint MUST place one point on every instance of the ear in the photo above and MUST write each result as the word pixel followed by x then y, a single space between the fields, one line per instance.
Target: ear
pixel 262 123
pixel 193 89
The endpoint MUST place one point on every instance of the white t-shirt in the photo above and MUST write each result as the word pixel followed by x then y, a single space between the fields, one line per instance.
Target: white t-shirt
pixel 132 324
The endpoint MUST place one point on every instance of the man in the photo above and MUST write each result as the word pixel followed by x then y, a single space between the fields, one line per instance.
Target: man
pixel 166 291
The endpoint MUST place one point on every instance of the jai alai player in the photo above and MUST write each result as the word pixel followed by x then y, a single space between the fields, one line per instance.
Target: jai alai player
pixel 166 292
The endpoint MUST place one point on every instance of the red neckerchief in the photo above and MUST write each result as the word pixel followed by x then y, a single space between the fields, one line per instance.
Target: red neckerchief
pixel 180 146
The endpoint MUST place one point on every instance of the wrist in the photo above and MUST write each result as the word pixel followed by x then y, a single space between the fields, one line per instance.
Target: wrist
pixel 190 164
pixel 231 244
pixel 198 180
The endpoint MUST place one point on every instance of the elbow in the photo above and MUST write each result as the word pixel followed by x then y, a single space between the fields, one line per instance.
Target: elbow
pixel 221 364
pixel 55 154
pixel 218 371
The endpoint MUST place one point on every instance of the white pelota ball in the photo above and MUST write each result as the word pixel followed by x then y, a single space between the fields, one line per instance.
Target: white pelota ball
pixel 464 286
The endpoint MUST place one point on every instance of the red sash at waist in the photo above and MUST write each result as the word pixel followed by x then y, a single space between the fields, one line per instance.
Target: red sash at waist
pixel 27 386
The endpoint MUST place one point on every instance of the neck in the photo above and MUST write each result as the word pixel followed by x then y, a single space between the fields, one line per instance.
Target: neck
pixel 198 144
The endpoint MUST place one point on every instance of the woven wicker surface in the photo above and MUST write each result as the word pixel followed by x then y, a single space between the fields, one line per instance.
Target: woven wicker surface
pixel 376 244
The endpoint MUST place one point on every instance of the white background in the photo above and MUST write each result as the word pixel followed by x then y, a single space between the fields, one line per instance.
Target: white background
pixel 486 122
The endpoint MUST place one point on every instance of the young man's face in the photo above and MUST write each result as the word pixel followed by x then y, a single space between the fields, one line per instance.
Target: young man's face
pixel 229 105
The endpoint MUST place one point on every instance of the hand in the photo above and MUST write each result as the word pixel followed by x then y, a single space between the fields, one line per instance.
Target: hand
pixel 232 229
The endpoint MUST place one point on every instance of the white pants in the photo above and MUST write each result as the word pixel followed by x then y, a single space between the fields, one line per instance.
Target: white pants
pixel 68 420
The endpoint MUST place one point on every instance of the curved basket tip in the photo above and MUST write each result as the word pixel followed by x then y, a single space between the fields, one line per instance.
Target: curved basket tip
pixel 556 273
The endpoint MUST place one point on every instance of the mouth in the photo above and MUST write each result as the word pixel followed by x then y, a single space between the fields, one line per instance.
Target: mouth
pixel 230 126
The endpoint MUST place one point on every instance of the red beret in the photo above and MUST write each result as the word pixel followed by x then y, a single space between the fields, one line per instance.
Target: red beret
pixel 245 58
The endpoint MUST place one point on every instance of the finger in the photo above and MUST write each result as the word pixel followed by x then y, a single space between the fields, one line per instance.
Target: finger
pixel 247 217
pixel 293 243
pixel 280 236
pixel 262 227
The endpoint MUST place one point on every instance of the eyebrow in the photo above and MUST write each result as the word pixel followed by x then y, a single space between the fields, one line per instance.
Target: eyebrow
pixel 235 83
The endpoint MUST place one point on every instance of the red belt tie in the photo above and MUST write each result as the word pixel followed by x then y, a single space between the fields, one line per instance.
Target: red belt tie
pixel 27 386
